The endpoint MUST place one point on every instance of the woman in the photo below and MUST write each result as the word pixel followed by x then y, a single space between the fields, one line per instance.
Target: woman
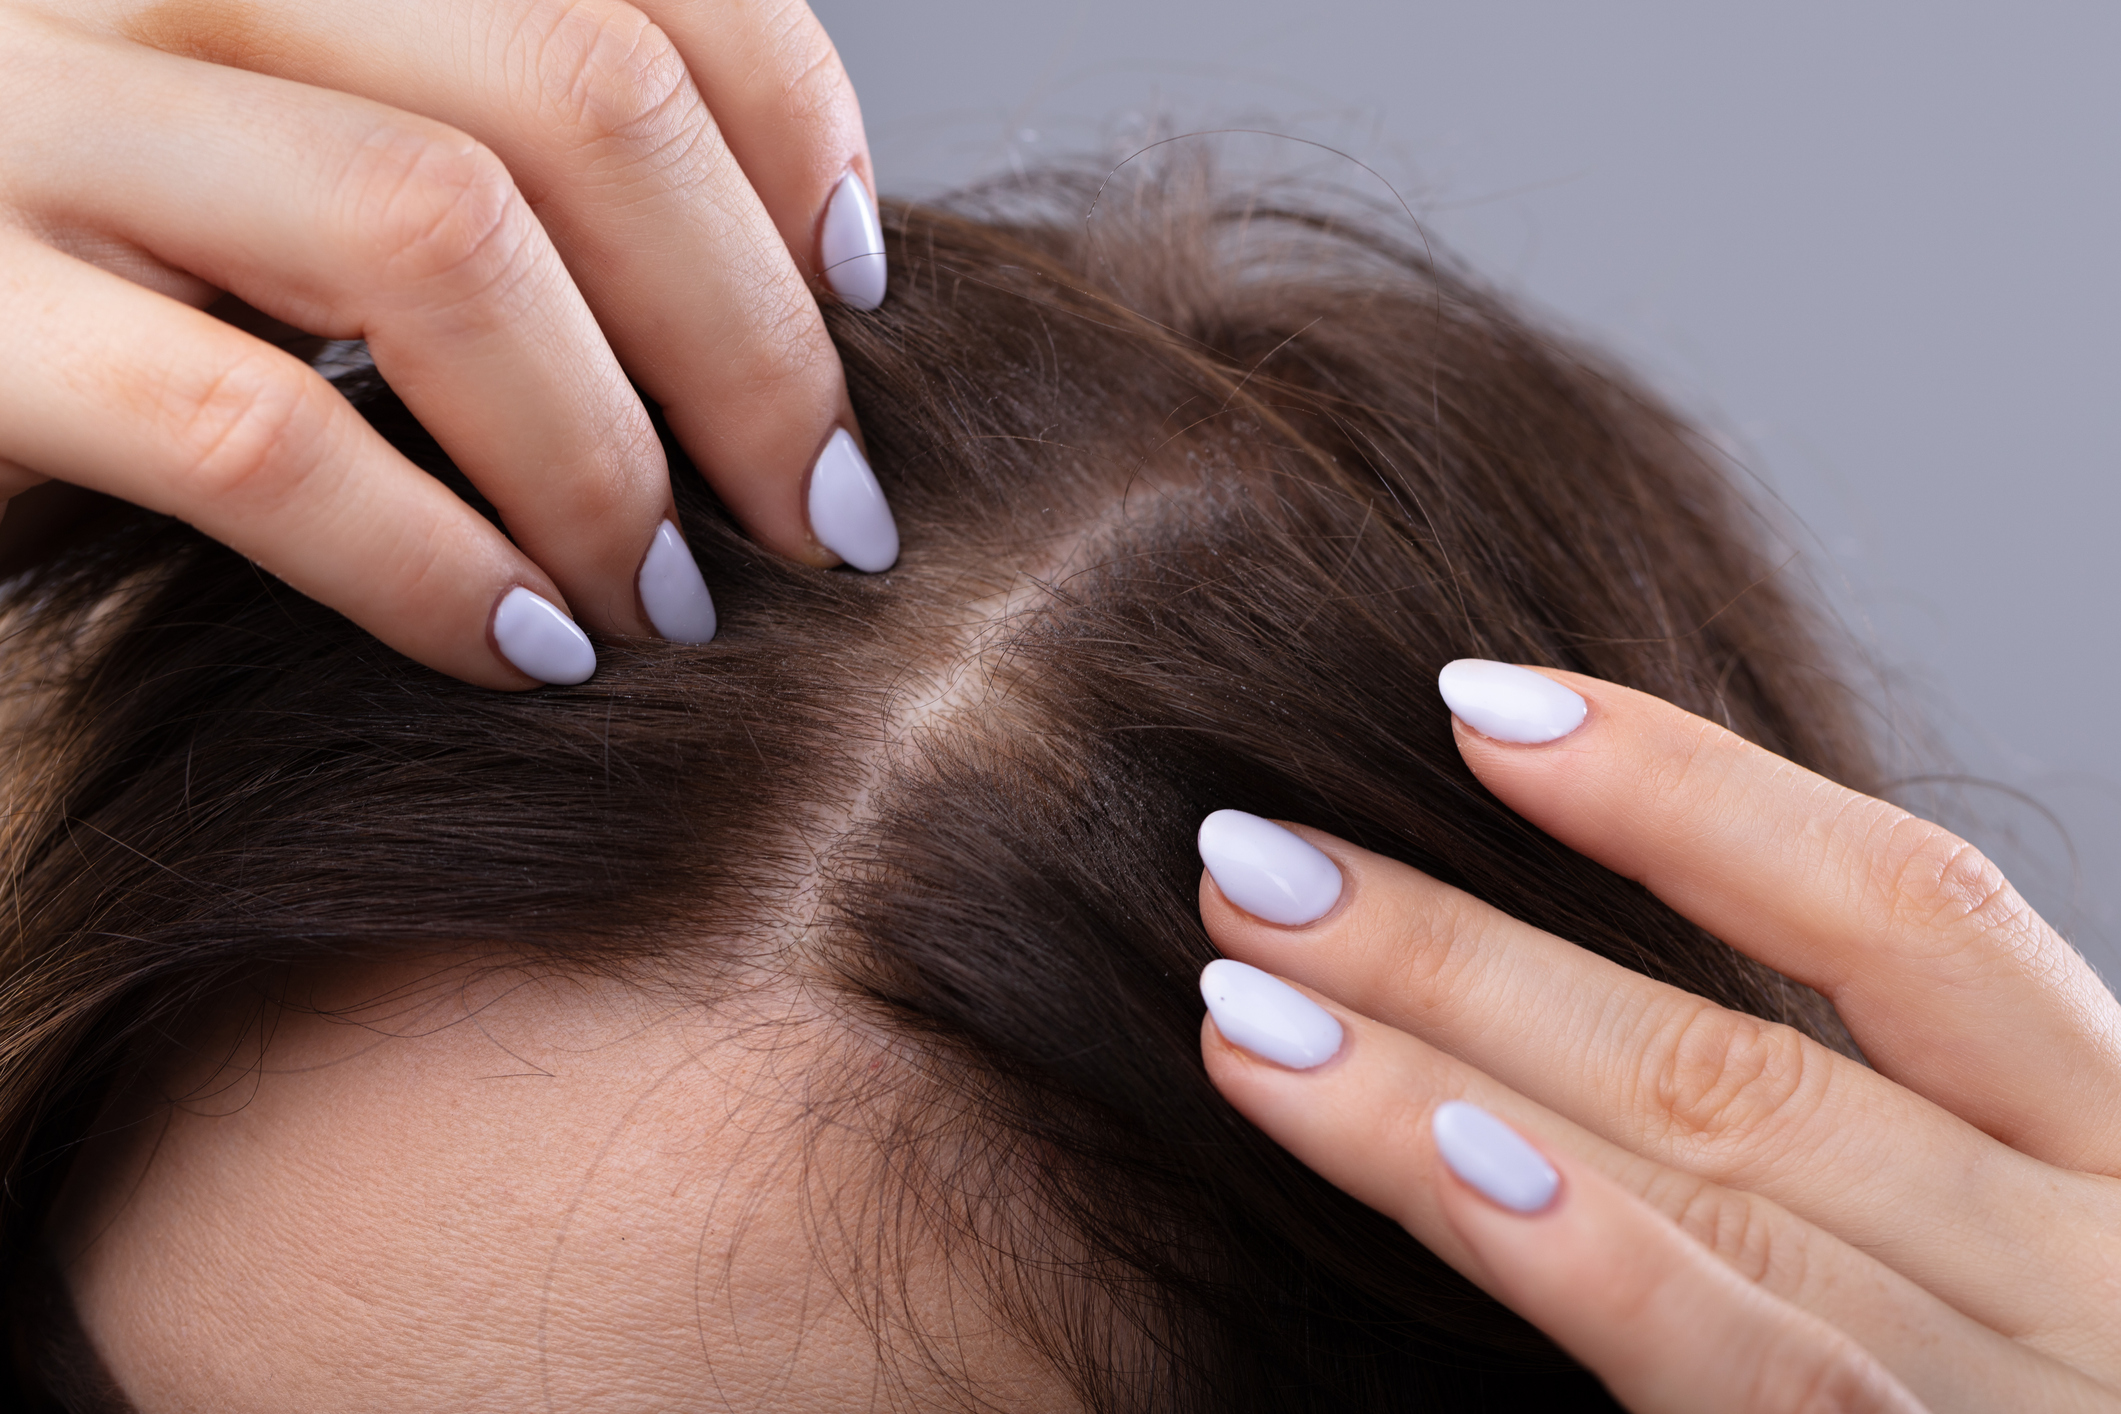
pixel 809 1018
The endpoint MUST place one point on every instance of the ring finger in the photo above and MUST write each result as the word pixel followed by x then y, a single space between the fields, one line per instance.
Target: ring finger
pixel 129 392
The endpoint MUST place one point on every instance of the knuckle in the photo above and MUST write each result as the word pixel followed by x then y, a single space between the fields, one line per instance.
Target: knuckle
pixel 1427 942
pixel 816 82
pixel 783 357
pixel 442 210
pixel 249 433
pixel 615 80
pixel 1835 1376
pixel 1926 879
pixel 1725 1084
pixel 1689 770
pixel 1736 1228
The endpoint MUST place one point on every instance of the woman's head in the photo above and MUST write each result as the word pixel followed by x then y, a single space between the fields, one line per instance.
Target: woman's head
pixel 818 1006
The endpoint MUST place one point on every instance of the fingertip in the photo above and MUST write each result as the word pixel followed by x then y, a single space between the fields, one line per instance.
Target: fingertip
pixel 673 592
pixel 536 638
pixel 850 245
pixel 849 514
pixel 1264 1016
pixel 1268 870
pixel 1506 703
pixel 1493 1159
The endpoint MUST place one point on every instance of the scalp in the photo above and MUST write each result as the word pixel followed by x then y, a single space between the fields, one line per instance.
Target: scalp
pixel 1197 492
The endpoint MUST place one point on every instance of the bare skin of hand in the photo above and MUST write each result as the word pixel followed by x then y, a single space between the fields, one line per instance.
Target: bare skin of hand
pixel 1734 1217
pixel 525 207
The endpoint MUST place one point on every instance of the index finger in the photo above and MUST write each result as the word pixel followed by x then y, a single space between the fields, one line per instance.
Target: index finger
pixel 1947 979
pixel 789 113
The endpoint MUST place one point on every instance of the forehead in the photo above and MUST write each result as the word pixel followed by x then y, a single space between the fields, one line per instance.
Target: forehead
pixel 469 1189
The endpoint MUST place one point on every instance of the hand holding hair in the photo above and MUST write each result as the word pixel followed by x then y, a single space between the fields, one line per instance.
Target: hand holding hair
pixel 1711 1211
pixel 526 208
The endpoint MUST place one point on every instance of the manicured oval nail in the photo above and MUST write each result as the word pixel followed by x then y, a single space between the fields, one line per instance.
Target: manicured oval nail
pixel 1266 1016
pixel 1492 1157
pixel 848 512
pixel 672 590
pixel 542 642
pixel 850 246
pixel 1266 870
pixel 1509 703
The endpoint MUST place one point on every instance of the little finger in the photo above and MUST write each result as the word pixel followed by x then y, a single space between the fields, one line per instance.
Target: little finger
pixel 1352 1098
pixel 1743 1102
pixel 116 388
pixel 1669 1329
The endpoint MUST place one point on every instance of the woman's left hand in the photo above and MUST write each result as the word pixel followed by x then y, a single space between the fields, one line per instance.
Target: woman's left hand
pixel 1735 1216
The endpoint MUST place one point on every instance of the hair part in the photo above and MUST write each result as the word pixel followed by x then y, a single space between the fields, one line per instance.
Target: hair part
pixel 1197 493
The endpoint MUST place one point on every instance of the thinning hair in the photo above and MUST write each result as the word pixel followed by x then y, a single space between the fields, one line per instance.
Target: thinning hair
pixel 1197 493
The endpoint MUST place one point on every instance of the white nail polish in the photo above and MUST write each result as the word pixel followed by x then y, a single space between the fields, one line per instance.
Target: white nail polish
pixel 1267 871
pixel 1509 703
pixel 1267 1016
pixel 672 590
pixel 1493 1157
pixel 544 643
pixel 850 246
pixel 848 512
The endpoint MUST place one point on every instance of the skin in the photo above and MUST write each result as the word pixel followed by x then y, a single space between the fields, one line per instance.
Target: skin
pixel 466 1186
pixel 520 204
pixel 462 1187
pixel 527 206
pixel 1746 1221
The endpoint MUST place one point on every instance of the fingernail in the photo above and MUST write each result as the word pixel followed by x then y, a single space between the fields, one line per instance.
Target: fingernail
pixel 672 590
pixel 1267 871
pixel 848 512
pixel 1509 703
pixel 850 246
pixel 542 642
pixel 1492 1157
pixel 1267 1016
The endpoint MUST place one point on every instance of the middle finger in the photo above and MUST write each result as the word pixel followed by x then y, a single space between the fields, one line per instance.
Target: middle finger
pixel 1742 1102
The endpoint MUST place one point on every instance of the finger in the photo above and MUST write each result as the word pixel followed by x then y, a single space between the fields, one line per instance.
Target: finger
pixel 1666 1326
pixel 14 480
pixel 1663 1073
pixel 1948 981
pixel 595 110
pixel 777 88
pixel 116 388
pixel 1359 1114
pixel 358 221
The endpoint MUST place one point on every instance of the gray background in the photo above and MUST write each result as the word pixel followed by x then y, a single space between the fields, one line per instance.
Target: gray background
pixel 1873 246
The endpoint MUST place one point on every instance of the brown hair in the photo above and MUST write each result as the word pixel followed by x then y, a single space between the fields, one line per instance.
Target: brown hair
pixel 1197 491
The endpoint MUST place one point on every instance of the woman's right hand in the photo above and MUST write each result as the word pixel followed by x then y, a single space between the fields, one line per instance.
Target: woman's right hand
pixel 518 204
pixel 1712 1212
